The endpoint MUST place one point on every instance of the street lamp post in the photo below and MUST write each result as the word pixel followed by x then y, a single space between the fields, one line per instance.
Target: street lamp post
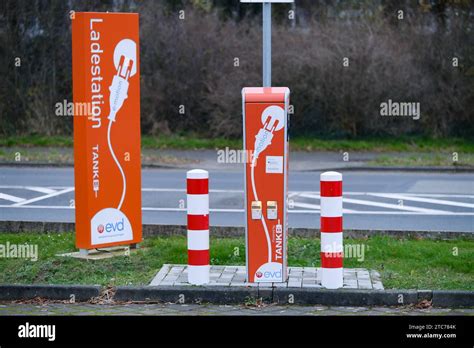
pixel 267 36
pixel 265 133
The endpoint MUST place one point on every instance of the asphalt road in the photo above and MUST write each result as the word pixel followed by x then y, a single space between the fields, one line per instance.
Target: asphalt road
pixel 372 200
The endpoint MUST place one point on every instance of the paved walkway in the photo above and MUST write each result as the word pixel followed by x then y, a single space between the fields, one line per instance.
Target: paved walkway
pixel 208 309
pixel 298 277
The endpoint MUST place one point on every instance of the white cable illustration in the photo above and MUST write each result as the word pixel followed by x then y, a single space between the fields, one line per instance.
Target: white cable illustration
pixel 124 179
pixel 264 224
pixel 272 120
pixel 124 56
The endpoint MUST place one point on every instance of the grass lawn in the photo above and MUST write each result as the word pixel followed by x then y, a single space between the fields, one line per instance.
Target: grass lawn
pixel 402 263
pixel 425 160
pixel 65 155
pixel 385 144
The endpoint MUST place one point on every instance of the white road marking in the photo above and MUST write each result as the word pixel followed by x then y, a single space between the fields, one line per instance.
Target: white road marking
pixel 368 212
pixel 40 189
pixel 306 205
pixel 51 191
pixel 316 194
pixel 184 210
pixel 381 205
pixel 37 206
pixel 312 195
pixel 424 200
pixel 440 195
pixel 290 193
pixel 391 206
pixel 184 190
pixel 11 198
pixel 442 213
pixel 56 193
pixel 313 207
pixel 235 210
pixel 58 187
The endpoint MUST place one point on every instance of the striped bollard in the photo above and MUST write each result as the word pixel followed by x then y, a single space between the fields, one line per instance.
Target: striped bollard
pixel 197 182
pixel 331 230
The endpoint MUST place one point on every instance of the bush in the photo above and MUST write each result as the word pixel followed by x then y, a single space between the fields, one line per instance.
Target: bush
pixel 202 62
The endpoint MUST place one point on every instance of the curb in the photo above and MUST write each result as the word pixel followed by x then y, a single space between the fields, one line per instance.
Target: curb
pixel 443 298
pixel 346 297
pixel 225 231
pixel 71 165
pixel 36 227
pixel 186 294
pixel 241 295
pixel 460 169
pixel 52 292
pixel 297 296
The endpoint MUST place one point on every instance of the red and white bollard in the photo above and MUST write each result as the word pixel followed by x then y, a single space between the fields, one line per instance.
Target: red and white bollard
pixel 197 181
pixel 331 230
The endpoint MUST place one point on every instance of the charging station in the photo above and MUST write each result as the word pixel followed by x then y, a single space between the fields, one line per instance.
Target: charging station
pixel 265 132
pixel 107 164
pixel 265 115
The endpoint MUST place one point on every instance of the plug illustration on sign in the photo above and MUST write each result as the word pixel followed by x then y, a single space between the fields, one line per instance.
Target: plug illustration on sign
pixel 124 56
pixel 272 121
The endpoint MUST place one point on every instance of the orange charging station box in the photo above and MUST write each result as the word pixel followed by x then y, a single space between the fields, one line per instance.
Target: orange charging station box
pixel 265 119
pixel 107 168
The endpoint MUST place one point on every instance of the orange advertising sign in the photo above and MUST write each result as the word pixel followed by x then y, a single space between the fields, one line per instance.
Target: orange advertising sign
pixel 107 168
pixel 266 143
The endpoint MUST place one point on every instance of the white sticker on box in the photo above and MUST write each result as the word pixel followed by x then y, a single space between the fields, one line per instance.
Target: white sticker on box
pixel 274 164
pixel 256 214
pixel 272 214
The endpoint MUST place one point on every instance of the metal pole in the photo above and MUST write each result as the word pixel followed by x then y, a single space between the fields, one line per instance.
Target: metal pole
pixel 267 44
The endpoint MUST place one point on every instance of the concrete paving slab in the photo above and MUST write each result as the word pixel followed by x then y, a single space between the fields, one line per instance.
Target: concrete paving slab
pixel 298 277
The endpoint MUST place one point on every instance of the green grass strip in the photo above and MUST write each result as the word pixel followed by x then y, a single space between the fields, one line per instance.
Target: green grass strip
pixel 402 263
pixel 189 142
